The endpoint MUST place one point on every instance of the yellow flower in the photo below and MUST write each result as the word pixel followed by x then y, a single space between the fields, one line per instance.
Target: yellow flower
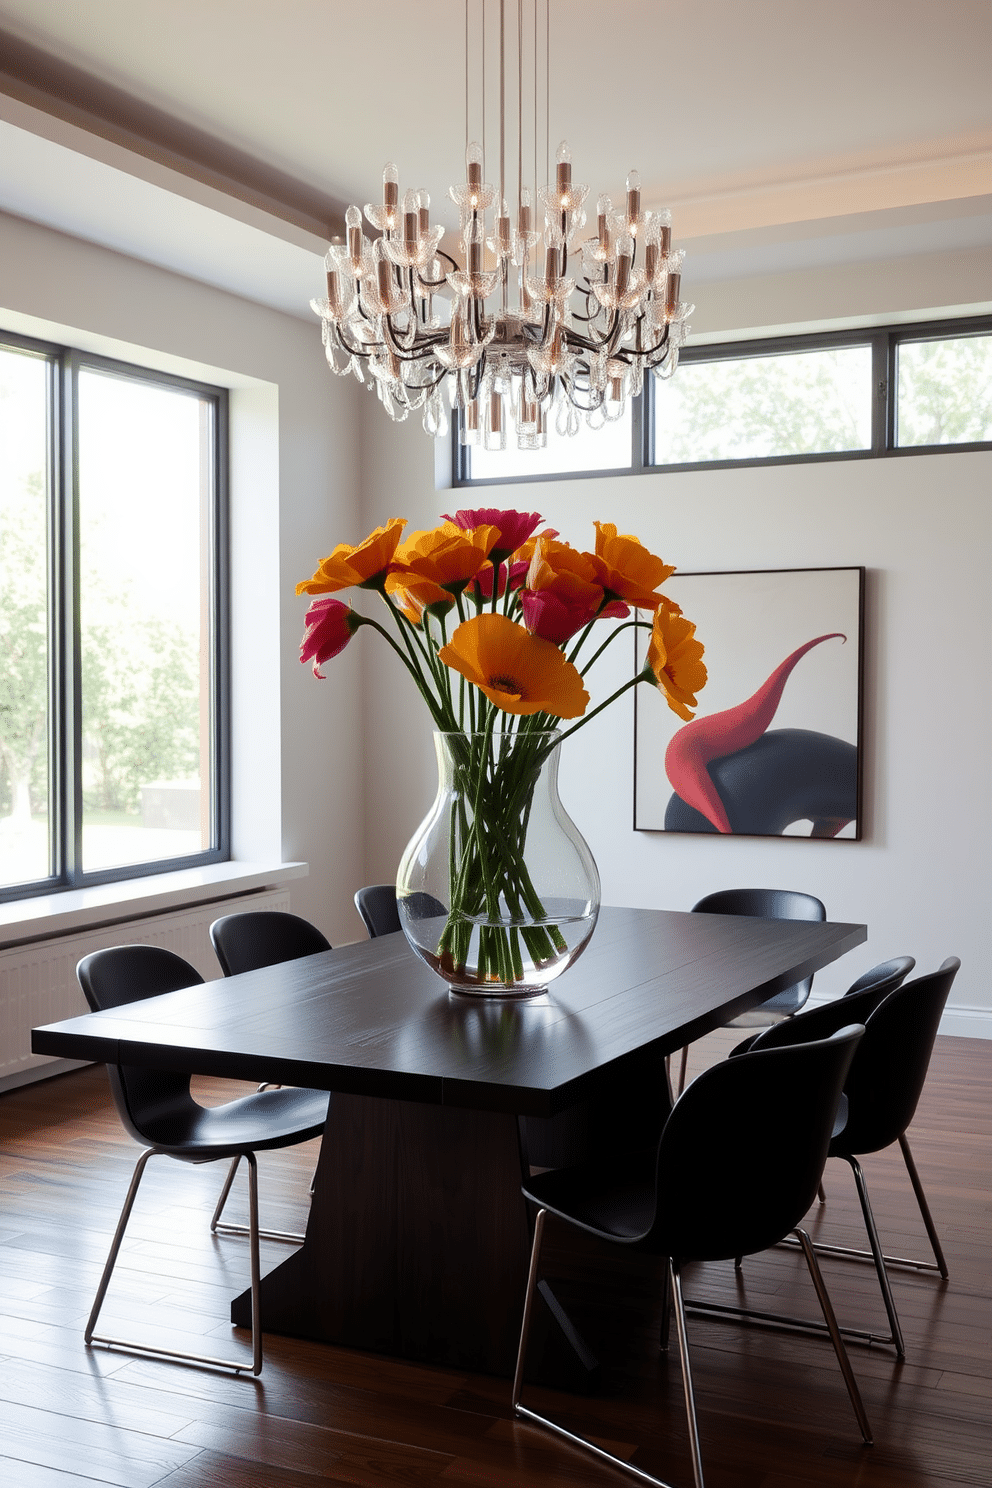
pixel 518 672
pixel 447 555
pixel 365 565
pixel 626 569
pixel 675 660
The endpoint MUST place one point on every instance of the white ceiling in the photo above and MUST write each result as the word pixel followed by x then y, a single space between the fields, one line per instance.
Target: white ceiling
pixel 746 118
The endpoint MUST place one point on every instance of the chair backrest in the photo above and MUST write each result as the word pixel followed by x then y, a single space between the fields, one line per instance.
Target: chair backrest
pixel 770 904
pixel 130 973
pixel 743 1150
pixel 263 937
pixel 376 904
pixel 888 1075
pixel 883 978
pixel 889 1070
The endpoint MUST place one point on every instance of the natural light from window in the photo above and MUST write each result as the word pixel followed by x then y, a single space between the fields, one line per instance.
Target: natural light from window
pixel 144 462
pixel 752 408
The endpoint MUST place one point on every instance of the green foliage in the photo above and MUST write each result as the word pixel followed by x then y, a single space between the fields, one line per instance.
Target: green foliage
pixel 805 403
pixel 945 391
pixel 140 680
pixel 141 709
pixel 24 650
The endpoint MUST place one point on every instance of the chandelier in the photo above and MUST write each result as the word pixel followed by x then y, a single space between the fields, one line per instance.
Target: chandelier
pixel 536 325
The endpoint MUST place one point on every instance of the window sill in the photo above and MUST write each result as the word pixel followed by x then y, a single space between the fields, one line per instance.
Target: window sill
pixel 25 920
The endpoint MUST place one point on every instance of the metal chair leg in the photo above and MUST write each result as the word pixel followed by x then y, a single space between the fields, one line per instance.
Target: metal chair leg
pixel 690 1402
pixel 518 1376
pixel 878 1257
pixel 90 1336
pixel 227 1228
pixel 905 1263
pixel 921 1199
pixel 682 1067
pixel 830 1319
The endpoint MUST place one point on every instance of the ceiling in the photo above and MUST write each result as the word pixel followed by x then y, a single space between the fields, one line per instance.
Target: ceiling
pixel 833 129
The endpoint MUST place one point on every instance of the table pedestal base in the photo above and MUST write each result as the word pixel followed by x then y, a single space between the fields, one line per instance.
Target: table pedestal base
pixel 417 1243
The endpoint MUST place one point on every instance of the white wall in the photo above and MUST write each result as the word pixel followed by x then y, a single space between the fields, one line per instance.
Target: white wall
pixel 295 487
pixel 921 526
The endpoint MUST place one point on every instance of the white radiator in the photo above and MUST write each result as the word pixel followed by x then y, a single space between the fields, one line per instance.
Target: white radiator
pixel 38 978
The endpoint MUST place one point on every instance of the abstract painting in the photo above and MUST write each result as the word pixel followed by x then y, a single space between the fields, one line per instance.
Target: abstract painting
pixel 775 747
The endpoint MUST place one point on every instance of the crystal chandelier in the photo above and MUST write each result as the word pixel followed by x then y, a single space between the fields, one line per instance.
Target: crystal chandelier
pixel 535 324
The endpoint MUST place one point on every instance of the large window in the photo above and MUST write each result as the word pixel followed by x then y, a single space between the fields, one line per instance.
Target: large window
pixel 112 604
pixel 894 390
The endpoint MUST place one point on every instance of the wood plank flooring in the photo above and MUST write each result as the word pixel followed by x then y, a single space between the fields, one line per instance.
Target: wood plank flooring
pixel 773 1411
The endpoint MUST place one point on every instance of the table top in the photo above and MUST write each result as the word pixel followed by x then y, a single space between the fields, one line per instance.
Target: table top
pixel 372 1019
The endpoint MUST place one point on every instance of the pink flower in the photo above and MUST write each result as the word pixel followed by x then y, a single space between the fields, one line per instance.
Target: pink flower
pixel 330 625
pixel 482 584
pixel 514 527
pixel 555 617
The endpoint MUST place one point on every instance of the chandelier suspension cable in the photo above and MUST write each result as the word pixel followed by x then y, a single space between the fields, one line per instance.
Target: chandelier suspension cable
pixel 404 316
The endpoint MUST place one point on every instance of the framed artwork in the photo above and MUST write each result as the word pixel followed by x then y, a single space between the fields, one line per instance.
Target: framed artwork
pixel 775 747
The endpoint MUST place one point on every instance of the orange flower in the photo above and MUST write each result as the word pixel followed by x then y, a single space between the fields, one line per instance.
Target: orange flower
pixel 675 662
pixel 413 595
pixel 366 565
pixel 525 552
pixel 447 555
pixel 628 571
pixel 518 672
pixel 566 571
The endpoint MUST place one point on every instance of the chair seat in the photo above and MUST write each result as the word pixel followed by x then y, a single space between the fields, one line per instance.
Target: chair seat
pixel 254 1123
pixel 615 1202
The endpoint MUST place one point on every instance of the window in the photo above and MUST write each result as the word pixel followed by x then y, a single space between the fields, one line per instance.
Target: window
pixel 112 605
pixel 759 407
pixel 944 391
pixel 839 395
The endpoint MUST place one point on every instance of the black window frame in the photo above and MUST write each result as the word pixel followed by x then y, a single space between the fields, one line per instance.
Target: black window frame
pixel 884 342
pixel 64 363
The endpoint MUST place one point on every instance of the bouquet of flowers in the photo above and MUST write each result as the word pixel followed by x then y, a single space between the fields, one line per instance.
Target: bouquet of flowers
pixel 497 624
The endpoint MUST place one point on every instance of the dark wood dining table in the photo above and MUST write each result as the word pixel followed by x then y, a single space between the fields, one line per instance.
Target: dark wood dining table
pixel 417 1238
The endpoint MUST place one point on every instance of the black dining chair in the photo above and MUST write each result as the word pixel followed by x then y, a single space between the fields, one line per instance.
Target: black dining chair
pixel 376 904
pixel 249 941
pixel 158 1110
pixel 263 937
pixel 881 1094
pixel 728 1177
pixel 764 904
pixel 879 981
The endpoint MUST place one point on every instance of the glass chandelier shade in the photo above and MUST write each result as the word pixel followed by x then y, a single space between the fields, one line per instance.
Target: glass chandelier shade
pixel 534 324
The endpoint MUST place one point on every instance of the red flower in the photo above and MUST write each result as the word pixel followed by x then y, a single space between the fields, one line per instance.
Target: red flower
pixel 330 626
pixel 555 617
pixel 514 527
pixel 482 585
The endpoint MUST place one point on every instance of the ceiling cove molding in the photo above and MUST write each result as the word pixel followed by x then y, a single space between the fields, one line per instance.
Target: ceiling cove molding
pixel 837 194
pixel 58 89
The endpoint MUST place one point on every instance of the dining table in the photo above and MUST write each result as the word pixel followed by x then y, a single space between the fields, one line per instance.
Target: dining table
pixel 417 1239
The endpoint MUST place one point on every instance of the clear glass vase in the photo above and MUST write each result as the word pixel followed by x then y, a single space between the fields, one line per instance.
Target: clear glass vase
pixel 497 890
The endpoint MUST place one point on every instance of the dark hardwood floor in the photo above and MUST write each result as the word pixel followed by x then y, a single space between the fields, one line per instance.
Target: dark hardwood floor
pixel 773 1411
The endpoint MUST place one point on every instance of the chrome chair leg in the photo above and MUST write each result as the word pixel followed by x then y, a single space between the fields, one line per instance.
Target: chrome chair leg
pixel 830 1319
pixel 690 1402
pixel 878 1258
pixel 931 1228
pixel 222 1199
pixel 905 1263
pixel 90 1335
pixel 218 1227
pixel 524 1411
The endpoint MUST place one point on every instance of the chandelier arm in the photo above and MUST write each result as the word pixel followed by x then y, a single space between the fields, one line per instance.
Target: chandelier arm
pixel 352 350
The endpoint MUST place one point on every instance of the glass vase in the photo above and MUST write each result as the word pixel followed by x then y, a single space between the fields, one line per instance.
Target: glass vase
pixel 497 890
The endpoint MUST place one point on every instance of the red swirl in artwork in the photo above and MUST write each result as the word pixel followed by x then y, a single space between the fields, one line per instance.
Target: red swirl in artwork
pixel 705 739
